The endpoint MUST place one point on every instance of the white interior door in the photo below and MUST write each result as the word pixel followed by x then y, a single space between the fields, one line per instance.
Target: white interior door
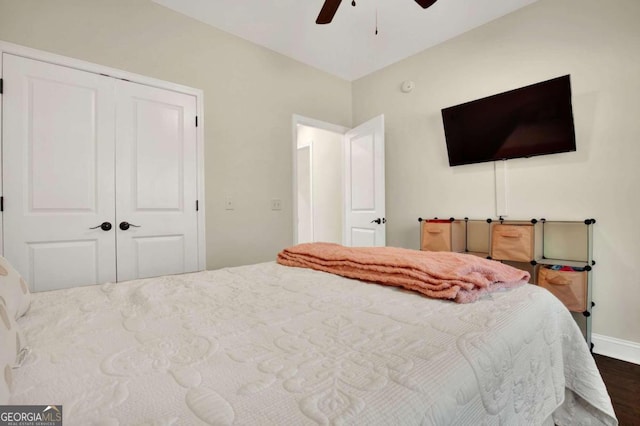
pixel 364 185
pixel 155 182
pixel 58 156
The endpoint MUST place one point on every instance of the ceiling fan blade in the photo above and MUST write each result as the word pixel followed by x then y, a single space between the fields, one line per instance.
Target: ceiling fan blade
pixel 425 3
pixel 328 10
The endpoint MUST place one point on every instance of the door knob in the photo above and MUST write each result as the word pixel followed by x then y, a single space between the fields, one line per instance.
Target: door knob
pixel 105 226
pixel 378 221
pixel 125 225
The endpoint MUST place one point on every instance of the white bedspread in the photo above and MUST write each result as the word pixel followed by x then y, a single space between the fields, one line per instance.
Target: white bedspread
pixel 271 345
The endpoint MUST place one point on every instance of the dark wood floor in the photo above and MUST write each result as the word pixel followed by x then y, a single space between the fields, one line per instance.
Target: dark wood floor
pixel 623 383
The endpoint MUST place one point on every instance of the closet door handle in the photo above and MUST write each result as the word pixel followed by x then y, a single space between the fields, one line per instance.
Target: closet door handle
pixel 125 225
pixel 105 226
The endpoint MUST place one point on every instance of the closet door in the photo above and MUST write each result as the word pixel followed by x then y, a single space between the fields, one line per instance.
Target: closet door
pixel 58 174
pixel 155 182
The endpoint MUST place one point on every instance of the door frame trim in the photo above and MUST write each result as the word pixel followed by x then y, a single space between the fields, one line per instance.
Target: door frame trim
pixel 311 122
pixel 78 64
pixel 310 149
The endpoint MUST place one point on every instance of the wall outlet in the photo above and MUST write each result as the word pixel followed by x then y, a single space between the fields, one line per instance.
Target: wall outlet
pixel 276 204
pixel 228 203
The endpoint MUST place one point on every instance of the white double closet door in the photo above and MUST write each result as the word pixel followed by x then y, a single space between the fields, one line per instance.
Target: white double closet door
pixel 85 154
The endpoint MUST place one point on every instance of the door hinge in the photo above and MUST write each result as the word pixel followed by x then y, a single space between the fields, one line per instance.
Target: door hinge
pixel 196 121
pixel 197 205
pixel 1 204
pixel 1 86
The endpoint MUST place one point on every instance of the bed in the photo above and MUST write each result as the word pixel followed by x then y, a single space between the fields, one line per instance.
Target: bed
pixel 268 344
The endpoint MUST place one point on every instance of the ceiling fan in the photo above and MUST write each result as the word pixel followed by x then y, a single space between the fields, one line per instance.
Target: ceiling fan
pixel 330 7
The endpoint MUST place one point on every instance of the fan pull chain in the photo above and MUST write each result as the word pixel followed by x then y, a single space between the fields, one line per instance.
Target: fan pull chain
pixel 376 21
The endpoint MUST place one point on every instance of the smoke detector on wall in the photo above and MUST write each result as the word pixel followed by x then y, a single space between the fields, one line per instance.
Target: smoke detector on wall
pixel 407 86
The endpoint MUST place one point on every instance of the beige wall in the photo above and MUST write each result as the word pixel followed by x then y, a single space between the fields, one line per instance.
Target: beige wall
pixel 250 96
pixel 598 45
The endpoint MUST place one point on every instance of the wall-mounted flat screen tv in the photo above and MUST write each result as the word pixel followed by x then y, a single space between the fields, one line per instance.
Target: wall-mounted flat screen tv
pixel 532 120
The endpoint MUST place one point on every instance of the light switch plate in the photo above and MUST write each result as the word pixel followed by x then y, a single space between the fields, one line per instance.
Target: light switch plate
pixel 276 204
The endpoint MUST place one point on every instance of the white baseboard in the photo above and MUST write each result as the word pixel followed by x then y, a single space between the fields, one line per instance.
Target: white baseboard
pixel 624 350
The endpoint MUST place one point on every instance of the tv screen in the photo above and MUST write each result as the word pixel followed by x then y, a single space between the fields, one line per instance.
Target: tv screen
pixel 532 120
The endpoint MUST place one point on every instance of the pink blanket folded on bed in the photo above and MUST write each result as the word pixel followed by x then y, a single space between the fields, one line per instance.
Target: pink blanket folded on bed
pixel 442 275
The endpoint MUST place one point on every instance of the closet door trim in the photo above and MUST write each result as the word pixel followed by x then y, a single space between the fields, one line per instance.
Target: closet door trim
pixel 39 55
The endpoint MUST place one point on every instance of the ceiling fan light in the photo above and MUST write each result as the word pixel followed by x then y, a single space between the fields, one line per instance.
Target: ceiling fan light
pixel 330 7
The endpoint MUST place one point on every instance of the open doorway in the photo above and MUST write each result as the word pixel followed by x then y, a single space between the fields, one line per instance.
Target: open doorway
pixel 338 182
pixel 319 181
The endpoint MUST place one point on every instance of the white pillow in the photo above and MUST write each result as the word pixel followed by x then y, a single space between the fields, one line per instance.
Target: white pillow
pixel 11 342
pixel 5 383
pixel 14 290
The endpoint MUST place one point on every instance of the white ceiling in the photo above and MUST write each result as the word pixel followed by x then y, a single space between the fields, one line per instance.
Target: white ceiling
pixel 348 46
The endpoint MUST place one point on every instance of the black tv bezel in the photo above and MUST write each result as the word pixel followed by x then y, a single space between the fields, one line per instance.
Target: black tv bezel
pixel 569 146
